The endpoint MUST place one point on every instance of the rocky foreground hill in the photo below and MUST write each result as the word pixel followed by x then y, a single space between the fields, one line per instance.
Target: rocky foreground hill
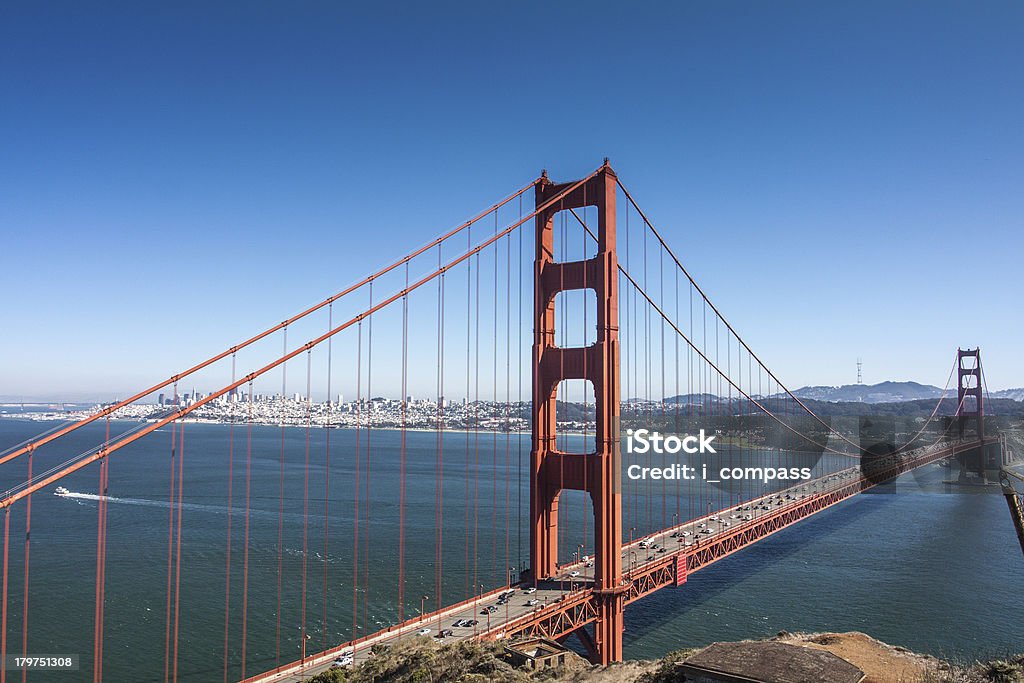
pixel 468 662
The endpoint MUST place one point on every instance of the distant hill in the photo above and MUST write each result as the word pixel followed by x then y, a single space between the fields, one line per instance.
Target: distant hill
pixel 883 392
pixel 1015 394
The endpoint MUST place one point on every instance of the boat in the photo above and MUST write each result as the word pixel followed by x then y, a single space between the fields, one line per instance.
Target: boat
pixel 60 491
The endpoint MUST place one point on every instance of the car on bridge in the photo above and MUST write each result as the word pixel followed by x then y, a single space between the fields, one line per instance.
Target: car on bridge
pixel 423 632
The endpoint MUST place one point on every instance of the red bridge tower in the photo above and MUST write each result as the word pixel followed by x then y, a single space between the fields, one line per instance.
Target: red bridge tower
pixel 968 387
pixel 596 473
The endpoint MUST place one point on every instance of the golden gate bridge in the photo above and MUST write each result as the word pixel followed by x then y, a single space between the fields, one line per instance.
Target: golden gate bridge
pixel 572 316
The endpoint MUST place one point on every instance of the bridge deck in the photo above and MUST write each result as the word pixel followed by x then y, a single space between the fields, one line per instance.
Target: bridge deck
pixel 665 558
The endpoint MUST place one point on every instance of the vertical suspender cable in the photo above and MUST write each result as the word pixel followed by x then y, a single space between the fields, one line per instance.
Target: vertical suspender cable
pixel 494 437
pixel 471 585
pixel 718 399
pixel 366 486
pixel 474 427
pixel 508 397
pixel 519 406
pixel 327 474
pixel 170 546
pixel 28 534
pixel 728 414
pixel 104 502
pixel 647 378
pixel 439 486
pixel 637 406
pixel 661 293
pixel 402 451
pixel 689 393
pixel 679 510
pixel 245 545
pixel 232 397
pixel 280 500
pixel 628 353
pixel 705 388
pixel 357 482
pixel 305 498
pixel 177 552
pixel 227 543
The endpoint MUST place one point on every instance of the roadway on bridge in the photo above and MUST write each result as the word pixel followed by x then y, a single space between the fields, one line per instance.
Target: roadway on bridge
pixel 571 578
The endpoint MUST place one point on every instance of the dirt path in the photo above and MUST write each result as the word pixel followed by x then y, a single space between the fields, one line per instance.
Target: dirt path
pixel 881 662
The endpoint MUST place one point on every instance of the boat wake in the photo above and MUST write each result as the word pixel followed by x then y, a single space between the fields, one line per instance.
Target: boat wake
pixel 145 502
pixel 82 498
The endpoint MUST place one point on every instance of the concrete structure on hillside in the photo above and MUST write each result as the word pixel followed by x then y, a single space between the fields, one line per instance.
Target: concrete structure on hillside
pixel 767 662
pixel 536 653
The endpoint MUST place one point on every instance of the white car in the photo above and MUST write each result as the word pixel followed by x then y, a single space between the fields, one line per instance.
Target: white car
pixel 423 632
pixel 531 589
pixel 532 603
pixel 574 574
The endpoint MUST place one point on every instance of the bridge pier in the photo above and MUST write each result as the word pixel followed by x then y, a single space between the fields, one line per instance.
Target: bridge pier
pixel 982 461
pixel 611 610
pixel 597 473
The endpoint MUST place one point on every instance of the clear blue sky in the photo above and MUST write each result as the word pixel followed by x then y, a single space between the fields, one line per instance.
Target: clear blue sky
pixel 156 158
